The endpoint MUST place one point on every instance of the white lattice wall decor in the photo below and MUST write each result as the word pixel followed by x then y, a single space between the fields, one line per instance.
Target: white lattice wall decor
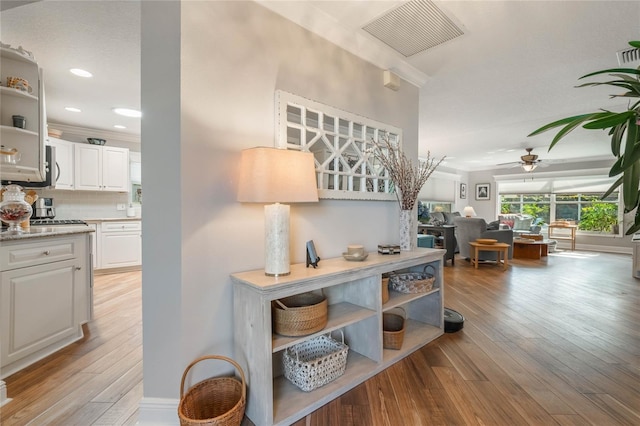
pixel 341 143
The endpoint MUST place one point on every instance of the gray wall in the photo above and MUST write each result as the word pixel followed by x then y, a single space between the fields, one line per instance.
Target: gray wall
pixel 232 57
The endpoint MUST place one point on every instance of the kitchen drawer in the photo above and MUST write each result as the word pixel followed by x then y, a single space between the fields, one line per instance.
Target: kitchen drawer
pixel 22 254
pixel 129 225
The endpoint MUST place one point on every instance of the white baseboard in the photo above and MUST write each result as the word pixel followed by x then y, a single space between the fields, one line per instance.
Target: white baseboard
pixel 158 412
pixel 592 247
pixel 3 393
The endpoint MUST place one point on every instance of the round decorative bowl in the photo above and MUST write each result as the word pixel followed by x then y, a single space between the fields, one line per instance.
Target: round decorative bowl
pixel 486 241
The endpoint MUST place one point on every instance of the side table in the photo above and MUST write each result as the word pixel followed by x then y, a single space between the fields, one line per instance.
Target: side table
pixel 571 237
pixel 501 248
pixel 530 249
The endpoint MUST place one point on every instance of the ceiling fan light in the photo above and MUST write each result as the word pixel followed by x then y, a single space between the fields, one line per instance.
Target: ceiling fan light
pixel 529 167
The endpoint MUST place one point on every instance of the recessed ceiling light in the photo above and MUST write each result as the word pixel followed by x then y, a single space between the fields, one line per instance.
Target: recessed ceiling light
pixel 127 112
pixel 119 126
pixel 73 109
pixel 80 72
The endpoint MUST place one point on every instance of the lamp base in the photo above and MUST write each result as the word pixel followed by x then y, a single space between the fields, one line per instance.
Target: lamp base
pixel 276 242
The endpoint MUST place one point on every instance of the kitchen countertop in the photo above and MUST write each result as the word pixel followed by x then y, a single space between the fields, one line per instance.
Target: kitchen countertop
pixel 111 219
pixel 45 231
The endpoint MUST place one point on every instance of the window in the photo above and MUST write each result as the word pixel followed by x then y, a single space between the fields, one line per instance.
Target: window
pixel 535 205
pixel 341 143
pixel 588 210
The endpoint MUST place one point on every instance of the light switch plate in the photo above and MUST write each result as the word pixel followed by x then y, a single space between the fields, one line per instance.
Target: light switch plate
pixel 121 206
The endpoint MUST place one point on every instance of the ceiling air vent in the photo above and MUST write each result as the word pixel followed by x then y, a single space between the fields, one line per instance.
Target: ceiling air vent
pixel 629 58
pixel 413 27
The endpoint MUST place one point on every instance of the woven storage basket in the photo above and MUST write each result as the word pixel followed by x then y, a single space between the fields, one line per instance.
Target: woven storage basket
pixel 385 290
pixel 413 282
pixel 315 362
pixel 393 326
pixel 217 401
pixel 300 315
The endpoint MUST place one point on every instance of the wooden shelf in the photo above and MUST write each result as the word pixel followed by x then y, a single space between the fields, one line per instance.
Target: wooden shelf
pixel 355 307
pixel 340 315
pixel 288 398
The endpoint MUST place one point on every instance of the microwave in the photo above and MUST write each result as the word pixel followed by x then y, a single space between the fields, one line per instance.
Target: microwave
pixel 52 172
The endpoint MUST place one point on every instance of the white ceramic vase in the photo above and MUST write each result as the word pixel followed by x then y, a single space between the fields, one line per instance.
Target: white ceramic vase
pixel 408 230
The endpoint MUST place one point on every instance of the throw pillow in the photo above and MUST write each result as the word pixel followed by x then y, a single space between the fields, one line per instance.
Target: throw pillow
pixel 493 226
pixel 522 224
pixel 507 221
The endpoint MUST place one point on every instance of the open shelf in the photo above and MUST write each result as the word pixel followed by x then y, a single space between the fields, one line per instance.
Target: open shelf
pixel 415 334
pixel 288 398
pixel 340 315
pixel 354 306
pixel 10 91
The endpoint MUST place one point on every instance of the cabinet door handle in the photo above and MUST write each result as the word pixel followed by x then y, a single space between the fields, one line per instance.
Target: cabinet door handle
pixel 46 252
pixel 78 268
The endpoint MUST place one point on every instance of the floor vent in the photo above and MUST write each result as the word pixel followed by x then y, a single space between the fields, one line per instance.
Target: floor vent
pixel 413 27
pixel 629 58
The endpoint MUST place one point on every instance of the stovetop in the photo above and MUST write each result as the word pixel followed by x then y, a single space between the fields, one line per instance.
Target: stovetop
pixel 50 222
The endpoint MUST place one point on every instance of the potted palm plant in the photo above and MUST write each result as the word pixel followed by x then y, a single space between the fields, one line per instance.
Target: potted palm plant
pixel 623 128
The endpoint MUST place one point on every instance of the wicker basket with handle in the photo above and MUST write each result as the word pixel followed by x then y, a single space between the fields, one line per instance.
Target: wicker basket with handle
pixel 413 282
pixel 217 401
pixel 315 362
pixel 393 326
pixel 300 315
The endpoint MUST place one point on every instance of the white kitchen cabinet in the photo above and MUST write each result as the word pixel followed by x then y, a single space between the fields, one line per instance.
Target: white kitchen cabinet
pixel 101 168
pixel 119 244
pixel 29 142
pixel 45 297
pixel 354 296
pixel 64 167
pixel 94 243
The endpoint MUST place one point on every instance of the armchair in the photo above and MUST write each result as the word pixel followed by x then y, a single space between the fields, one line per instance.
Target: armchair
pixel 468 229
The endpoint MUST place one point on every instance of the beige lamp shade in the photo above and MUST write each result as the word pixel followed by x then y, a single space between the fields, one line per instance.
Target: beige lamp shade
pixel 469 211
pixel 271 175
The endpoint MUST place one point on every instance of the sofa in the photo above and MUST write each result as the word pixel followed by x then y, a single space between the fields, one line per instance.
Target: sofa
pixel 519 223
pixel 442 218
pixel 469 229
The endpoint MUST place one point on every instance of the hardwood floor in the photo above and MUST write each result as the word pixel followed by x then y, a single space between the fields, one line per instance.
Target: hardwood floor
pixel 552 341
pixel 95 381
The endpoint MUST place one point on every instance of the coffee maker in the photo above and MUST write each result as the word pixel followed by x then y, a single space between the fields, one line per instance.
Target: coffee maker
pixel 43 208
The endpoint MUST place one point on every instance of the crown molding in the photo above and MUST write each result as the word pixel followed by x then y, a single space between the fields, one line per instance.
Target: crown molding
pixel 325 26
pixel 97 133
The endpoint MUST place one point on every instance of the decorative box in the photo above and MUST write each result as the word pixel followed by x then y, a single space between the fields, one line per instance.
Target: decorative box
pixel 388 249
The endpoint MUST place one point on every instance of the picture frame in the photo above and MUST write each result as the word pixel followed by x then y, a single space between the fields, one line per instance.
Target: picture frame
pixel 463 191
pixel 483 191
pixel 312 255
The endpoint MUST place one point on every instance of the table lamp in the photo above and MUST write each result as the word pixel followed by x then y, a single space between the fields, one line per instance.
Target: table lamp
pixel 272 175
pixel 469 212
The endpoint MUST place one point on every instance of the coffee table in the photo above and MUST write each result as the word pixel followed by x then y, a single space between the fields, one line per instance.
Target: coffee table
pixel 530 249
pixel 501 248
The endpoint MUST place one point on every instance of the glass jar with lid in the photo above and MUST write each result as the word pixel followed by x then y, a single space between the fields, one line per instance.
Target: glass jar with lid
pixel 13 208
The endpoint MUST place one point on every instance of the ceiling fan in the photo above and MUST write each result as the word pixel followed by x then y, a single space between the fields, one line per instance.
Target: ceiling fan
pixel 528 162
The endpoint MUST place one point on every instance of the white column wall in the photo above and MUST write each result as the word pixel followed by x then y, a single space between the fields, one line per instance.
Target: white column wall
pixel 233 57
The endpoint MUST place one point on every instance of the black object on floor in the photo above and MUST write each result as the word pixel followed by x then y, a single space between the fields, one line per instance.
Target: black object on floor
pixel 453 321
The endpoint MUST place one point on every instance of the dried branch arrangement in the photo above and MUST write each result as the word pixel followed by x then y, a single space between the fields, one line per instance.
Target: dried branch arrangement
pixel 407 178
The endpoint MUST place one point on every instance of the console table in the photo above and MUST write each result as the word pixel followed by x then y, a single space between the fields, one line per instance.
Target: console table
pixel 353 291
pixel 445 234
pixel 572 234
